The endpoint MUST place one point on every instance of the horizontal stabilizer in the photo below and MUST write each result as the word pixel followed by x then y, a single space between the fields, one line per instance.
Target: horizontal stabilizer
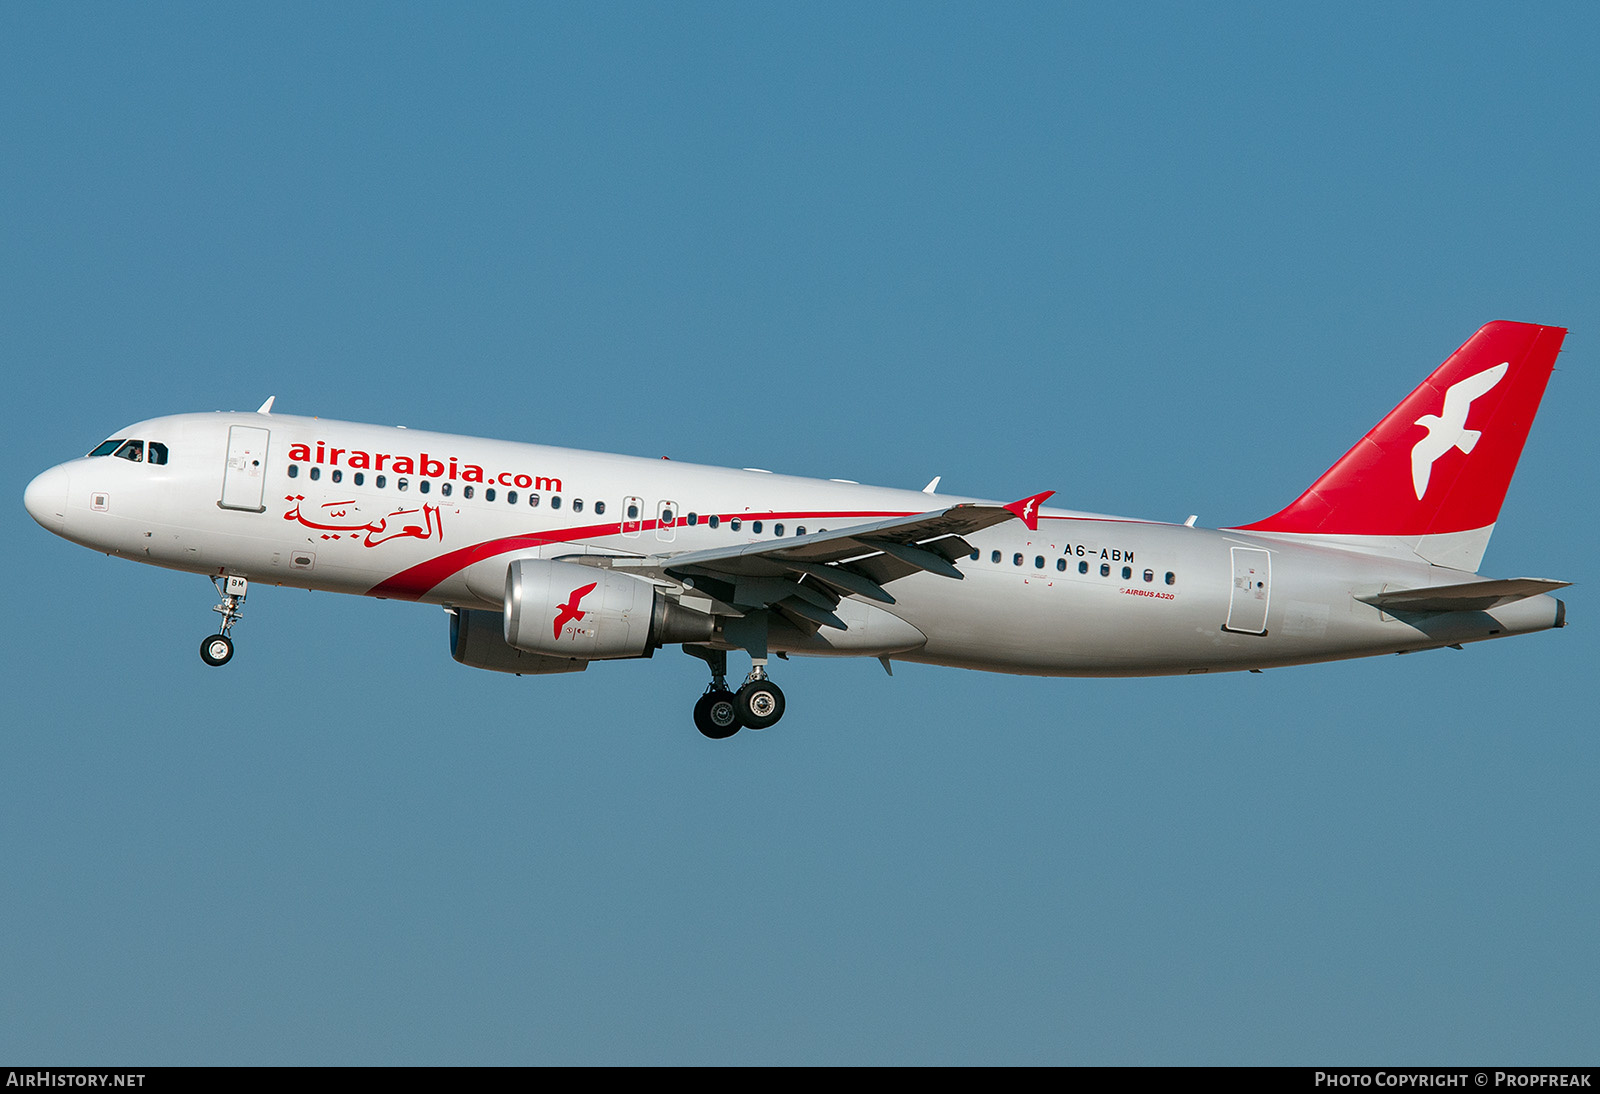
pixel 1472 596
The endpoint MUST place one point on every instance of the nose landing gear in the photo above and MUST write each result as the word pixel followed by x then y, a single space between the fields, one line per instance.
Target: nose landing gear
pixel 217 650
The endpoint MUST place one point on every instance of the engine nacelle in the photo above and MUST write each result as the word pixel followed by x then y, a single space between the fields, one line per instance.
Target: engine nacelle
pixel 561 609
pixel 477 638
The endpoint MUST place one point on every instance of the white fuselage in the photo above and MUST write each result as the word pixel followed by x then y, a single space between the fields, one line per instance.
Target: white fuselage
pixel 408 514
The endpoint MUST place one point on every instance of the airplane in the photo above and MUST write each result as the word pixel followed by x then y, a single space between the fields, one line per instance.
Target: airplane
pixel 547 558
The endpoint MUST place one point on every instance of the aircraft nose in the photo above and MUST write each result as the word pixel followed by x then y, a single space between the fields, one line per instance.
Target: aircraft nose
pixel 46 498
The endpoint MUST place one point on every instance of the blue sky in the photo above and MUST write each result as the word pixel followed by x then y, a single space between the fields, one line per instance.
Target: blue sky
pixel 1168 261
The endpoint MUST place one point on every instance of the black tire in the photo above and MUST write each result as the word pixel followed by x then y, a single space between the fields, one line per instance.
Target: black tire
pixel 716 715
pixel 217 650
pixel 760 704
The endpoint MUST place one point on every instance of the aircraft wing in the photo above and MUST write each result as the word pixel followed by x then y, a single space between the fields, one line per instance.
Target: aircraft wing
pixel 1471 596
pixel 806 576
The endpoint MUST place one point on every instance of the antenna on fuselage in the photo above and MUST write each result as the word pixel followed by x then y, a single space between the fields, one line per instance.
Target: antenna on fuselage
pixel 933 486
pixel 266 407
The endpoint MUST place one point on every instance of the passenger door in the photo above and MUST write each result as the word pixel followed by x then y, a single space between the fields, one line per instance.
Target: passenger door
pixel 244 479
pixel 1252 588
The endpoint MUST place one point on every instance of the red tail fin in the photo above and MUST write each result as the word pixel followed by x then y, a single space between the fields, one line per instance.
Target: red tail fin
pixel 1441 461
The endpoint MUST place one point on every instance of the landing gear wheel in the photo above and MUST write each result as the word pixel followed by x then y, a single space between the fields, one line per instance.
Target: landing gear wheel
pixel 716 714
pixel 216 650
pixel 760 704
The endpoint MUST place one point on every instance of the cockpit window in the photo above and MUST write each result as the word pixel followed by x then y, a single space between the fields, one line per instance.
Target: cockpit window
pixel 107 448
pixel 132 450
pixel 157 452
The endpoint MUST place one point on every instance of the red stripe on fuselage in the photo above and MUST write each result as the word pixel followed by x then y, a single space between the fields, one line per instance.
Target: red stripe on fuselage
pixel 414 583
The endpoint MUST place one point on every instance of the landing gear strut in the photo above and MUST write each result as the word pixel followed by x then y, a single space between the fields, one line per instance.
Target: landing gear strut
pixel 722 712
pixel 217 650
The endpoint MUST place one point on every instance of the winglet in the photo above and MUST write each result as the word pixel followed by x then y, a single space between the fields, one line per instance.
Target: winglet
pixel 266 407
pixel 1027 510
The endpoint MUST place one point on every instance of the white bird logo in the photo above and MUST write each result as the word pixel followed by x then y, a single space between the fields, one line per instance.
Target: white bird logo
pixel 1449 429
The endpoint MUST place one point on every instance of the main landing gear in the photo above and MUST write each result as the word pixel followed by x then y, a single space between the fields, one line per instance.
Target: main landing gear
pixel 217 650
pixel 716 713
pixel 721 712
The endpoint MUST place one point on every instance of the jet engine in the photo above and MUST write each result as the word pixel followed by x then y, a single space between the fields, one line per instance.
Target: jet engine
pixel 564 610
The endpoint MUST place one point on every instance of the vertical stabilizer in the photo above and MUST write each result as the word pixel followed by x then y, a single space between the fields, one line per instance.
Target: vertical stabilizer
pixel 1432 475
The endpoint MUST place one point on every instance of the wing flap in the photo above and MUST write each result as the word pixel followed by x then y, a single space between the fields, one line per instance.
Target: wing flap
pixel 845 581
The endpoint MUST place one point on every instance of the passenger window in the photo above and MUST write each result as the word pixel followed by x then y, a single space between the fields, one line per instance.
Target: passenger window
pixel 294 471
pixel 713 520
pixel 1172 578
pixel 995 558
pixel 380 481
pixel 555 501
pixel 734 523
pixel 511 497
pixel 400 484
pixel 533 501
pixel 422 484
pixel 132 451
pixel 316 473
pixel 466 491
pixel 755 527
pixel 777 529
pixel 488 493
pixel 1105 569
pixel 1127 572
pixel 360 478
pixel 692 518
pixel 1061 565
pixel 444 488
pixel 599 508
pixel 1016 559
pixel 1149 575
pixel 105 448
pixel 158 452
pixel 800 530
pixel 633 511
pixel 577 505
pixel 1038 562
pixel 975 554
pixel 338 476
pixel 1083 567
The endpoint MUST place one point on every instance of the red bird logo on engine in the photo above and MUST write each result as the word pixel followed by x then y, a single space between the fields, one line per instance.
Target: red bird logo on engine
pixel 569 611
